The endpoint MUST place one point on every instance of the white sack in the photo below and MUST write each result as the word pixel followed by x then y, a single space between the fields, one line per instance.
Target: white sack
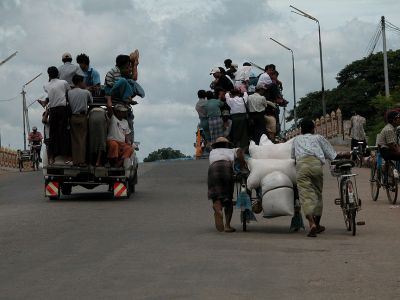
pixel 264 140
pixel 278 202
pixel 274 180
pixel 271 151
pixel 259 168
pixel 278 195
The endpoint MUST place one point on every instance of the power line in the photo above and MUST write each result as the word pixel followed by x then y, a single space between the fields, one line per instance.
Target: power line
pixel 374 40
pixel 392 25
pixel 10 99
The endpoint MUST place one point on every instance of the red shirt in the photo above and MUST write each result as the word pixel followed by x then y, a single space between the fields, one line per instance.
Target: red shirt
pixel 35 137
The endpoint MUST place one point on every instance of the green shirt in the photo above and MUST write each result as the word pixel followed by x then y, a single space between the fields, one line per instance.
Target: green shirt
pixel 213 108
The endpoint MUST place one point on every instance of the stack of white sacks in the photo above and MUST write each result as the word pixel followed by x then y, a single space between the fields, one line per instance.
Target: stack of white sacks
pixel 272 169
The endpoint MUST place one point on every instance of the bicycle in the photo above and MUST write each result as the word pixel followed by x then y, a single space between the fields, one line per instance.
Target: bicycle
pixel 244 199
pixel 358 154
pixel 347 184
pixel 384 174
pixel 34 148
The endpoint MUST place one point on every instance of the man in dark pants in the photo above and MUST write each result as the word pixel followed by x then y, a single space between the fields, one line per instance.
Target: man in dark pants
pixel 59 143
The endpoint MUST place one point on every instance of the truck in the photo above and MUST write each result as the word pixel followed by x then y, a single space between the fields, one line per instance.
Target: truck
pixel 59 179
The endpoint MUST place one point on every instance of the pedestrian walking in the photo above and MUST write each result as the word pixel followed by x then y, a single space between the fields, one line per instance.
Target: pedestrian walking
pixel 310 151
pixel 221 181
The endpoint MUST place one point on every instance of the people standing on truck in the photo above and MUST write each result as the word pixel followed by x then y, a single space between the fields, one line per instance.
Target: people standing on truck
pixel 35 139
pixel 46 127
pixel 221 181
pixel 59 143
pixel 201 108
pixel 230 68
pixel 264 80
pixel 242 77
pixel 227 124
pixel 98 126
pixel 92 76
pixel 220 80
pixel 121 83
pixel 257 106
pixel 68 69
pixel 270 121
pixel 239 133
pixel 119 138
pixel 79 98
pixel 214 116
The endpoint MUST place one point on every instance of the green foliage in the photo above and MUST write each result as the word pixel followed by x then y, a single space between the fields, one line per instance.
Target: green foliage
pixel 360 88
pixel 164 154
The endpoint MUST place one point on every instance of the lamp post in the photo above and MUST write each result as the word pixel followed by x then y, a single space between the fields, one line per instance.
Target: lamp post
pixel 306 15
pixel 8 58
pixel 293 78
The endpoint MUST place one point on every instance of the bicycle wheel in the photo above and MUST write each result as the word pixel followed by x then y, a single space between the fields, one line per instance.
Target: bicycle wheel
pixel 374 182
pixel 392 185
pixel 359 160
pixel 344 201
pixel 353 214
pixel 349 208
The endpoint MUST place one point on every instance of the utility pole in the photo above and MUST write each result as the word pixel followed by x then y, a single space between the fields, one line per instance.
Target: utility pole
pixel 385 65
pixel 25 118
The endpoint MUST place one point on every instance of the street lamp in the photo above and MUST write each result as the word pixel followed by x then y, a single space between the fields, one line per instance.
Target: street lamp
pixel 306 15
pixel 294 81
pixel 8 58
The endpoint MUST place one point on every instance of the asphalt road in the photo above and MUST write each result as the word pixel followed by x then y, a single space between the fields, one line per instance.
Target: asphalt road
pixel 161 244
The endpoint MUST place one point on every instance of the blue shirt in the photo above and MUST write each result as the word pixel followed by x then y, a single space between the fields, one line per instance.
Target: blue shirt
pixel 92 77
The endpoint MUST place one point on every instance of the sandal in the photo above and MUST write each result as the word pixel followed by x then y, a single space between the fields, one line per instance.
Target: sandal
pixel 313 232
pixel 219 221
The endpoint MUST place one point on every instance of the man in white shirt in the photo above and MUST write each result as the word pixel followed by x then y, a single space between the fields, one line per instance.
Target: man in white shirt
pixel 264 79
pixel 59 142
pixel 239 130
pixel 68 69
pixel 257 107
pixel 119 141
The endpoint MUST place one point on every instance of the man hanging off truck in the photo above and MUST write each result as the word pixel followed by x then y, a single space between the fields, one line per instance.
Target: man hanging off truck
pixel 120 83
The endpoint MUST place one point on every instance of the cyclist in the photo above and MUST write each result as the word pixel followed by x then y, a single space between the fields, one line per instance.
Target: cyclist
pixel 387 140
pixel 35 139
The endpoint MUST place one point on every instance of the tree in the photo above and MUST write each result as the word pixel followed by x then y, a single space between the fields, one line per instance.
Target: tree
pixel 360 88
pixel 165 153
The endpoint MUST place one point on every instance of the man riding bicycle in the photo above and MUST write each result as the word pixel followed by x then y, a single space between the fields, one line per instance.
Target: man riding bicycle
pixel 35 139
pixel 387 141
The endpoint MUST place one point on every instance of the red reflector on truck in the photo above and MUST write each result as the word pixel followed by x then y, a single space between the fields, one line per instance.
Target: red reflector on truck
pixel 52 188
pixel 119 190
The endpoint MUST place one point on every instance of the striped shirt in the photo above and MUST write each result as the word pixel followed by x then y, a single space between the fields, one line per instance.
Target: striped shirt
pixel 312 145
pixel 112 76
pixel 386 136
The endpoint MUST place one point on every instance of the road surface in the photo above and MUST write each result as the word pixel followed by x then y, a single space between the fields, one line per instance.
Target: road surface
pixel 161 244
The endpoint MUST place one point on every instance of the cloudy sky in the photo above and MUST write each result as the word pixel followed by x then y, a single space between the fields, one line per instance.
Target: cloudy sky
pixel 179 42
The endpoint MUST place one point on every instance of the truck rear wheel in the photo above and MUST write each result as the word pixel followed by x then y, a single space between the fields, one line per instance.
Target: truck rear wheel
pixel 66 189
